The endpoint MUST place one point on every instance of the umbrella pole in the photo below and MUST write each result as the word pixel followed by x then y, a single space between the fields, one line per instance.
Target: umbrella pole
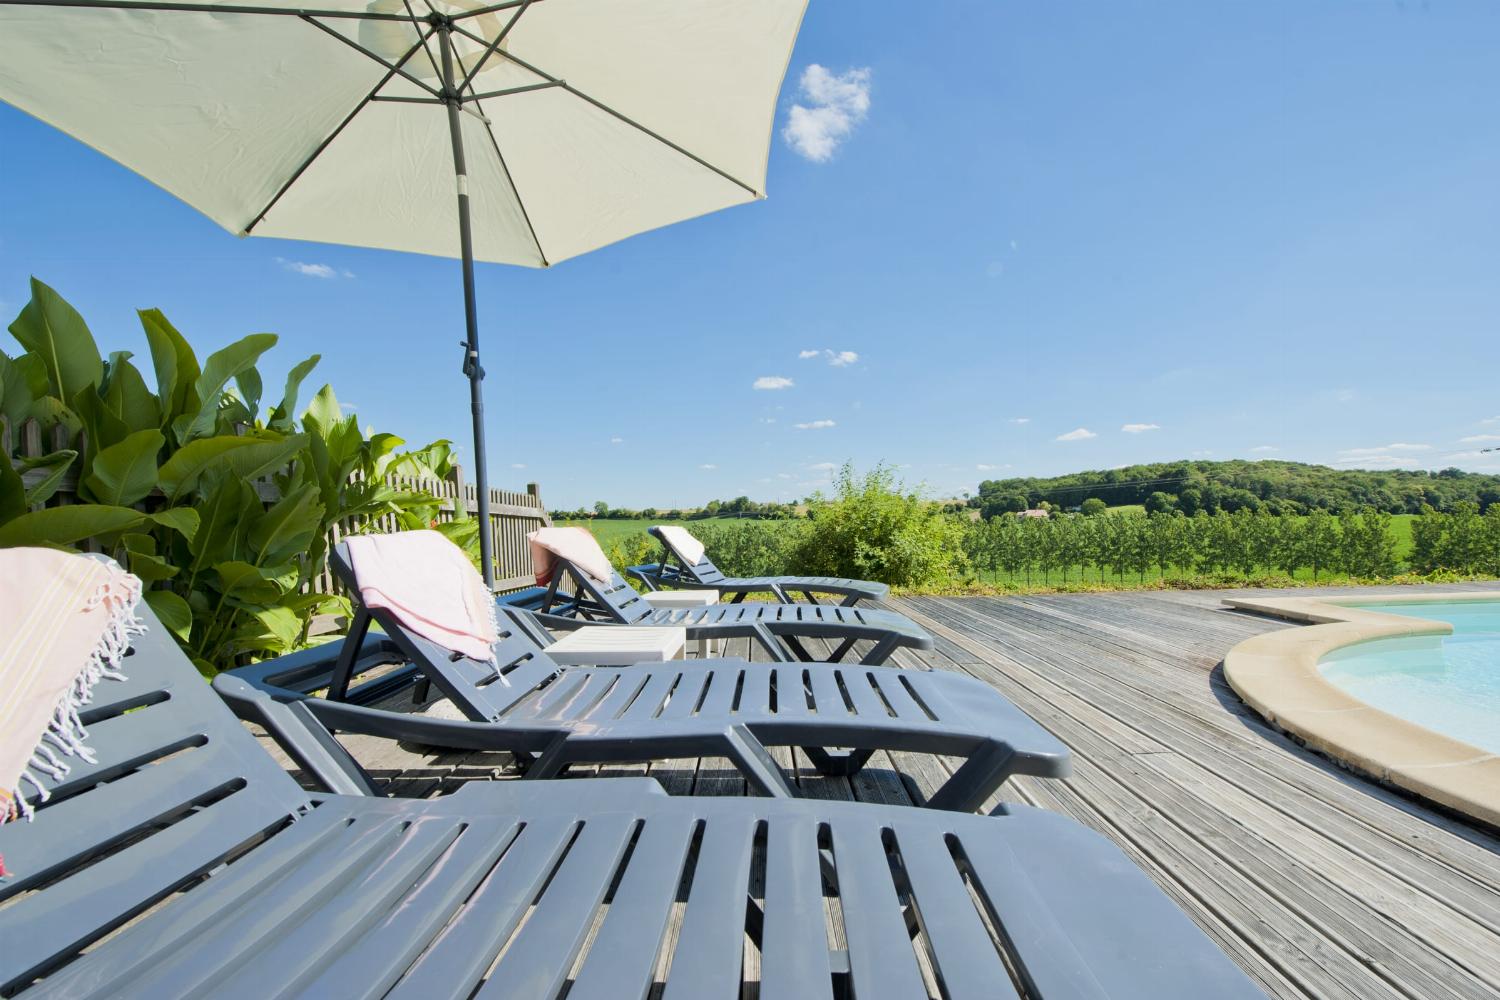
pixel 471 366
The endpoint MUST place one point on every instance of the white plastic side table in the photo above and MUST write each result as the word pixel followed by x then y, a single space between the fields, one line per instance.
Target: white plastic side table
pixel 619 645
pixel 687 599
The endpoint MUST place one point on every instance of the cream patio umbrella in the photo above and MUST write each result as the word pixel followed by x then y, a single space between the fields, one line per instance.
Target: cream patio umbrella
pixel 560 125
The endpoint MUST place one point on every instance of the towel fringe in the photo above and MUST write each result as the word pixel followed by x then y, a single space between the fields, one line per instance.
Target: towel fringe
pixel 66 733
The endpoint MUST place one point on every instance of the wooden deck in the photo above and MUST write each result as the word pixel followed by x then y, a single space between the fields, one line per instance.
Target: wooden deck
pixel 1319 883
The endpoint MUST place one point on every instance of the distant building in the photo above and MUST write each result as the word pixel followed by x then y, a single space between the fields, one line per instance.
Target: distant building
pixel 1033 512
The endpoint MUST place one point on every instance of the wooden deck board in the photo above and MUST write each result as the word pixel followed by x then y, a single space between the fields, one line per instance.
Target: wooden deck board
pixel 1319 883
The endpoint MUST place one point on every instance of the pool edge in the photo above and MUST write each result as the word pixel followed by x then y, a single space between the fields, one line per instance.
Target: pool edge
pixel 1277 675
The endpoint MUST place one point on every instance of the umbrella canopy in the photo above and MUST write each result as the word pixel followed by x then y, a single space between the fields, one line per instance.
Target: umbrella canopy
pixel 520 132
pixel 584 121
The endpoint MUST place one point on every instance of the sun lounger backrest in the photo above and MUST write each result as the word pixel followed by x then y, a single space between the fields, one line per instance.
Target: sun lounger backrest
pixel 179 785
pixel 704 571
pixel 484 690
pixel 618 598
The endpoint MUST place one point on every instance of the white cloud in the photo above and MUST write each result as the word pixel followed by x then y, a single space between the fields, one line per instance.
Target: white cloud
pixel 1490 420
pixel 1138 428
pixel 1081 434
pixel 995 268
pixel 1385 449
pixel 785 475
pixel 1203 453
pixel 518 465
pixel 1264 449
pixel 835 104
pixel 981 467
pixel 1344 395
pixel 823 466
pixel 772 382
pixel 839 359
pixel 1020 420
pixel 616 440
pixel 348 406
pixel 765 420
pixel 312 270
pixel 1479 438
pixel 708 466
pixel 814 425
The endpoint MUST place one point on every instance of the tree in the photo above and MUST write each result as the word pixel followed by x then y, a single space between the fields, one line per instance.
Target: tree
pixel 1010 503
pixel 1092 506
pixel 1160 503
pixel 1320 538
pixel 601 509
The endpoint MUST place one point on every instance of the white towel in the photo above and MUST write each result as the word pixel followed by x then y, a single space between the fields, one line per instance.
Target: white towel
pixel 683 543
pixel 577 545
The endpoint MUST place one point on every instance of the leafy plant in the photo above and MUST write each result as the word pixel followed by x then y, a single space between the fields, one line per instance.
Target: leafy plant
pixel 224 512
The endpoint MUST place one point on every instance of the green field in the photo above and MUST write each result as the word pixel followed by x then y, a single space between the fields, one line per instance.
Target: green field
pixel 608 530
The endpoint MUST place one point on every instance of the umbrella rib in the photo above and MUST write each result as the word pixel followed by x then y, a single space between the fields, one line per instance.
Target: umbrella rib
pixel 490 49
pixel 430 57
pixel 559 82
pixel 393 67
pixel 495 144
pixel 302 168
pixel 204 8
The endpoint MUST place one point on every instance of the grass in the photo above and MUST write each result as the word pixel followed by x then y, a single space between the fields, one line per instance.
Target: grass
pixel 606 530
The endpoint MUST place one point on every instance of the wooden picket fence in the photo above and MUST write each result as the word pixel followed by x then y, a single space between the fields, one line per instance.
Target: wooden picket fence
pixel 512 515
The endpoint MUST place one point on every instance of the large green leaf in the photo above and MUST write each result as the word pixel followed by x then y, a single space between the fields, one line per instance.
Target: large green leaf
pixel 101 427
pixel 249 384
pixel 223 513
pixel 173 612
pixel 125 473
pixel 53 468
pixel 175 363
pixel 249 583
pixel 199 416
pixel 53 330
pixel 67 525
pixel 22 380
pixel 183 520
pixel 287 528
pixel 127 396
pixel 12 491
pixel 244 457
pixel 281 417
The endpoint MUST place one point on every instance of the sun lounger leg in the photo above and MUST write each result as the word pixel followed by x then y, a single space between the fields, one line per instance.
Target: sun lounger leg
pixel 757 765
pixel 837 763
pixel 975 780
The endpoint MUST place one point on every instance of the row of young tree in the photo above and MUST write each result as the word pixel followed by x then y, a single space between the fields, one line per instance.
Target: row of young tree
pixel 738 507
pixel 1357 544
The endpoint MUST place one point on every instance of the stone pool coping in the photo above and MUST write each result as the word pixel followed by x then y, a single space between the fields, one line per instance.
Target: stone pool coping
pixel 1277 675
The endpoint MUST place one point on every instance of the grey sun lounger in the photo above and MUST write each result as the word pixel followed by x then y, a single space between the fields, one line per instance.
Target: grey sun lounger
pixel 187 863
pixel 674 571
pixel 552 716
pixel 777 628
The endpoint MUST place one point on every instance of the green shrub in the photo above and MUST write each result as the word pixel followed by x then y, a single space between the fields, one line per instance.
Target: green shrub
pixel 873 528
pixel 222 510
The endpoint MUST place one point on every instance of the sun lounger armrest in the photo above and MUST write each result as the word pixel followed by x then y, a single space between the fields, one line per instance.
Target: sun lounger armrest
pixel 297 731
pixel 650 574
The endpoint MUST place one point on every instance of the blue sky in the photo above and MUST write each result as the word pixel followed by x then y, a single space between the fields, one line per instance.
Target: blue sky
pixel 1009 239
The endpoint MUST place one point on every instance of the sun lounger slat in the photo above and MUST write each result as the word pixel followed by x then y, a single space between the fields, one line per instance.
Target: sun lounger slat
pixel 622 961
pixel 648 703
pixel 299 923
pixel 881 960
pixel 826 696
pixel 794 943
pixel 791 698
pixel 964 958
pixel 727 680
pixel 466 948
pixel 688 693
pixel 545 949
pixel 707 961
pixel 755 694
pixel 866 702
pixel 381 954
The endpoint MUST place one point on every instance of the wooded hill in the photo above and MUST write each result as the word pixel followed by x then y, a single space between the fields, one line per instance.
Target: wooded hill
pixel 1282 487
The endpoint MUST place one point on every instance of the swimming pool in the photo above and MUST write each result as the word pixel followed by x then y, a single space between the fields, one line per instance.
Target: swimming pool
pixel 1449 684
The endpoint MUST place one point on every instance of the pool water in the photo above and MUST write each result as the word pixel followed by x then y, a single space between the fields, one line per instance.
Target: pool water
pixel 1449 684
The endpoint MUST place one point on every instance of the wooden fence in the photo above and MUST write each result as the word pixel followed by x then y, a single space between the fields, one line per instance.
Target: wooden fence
pixel 512 515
